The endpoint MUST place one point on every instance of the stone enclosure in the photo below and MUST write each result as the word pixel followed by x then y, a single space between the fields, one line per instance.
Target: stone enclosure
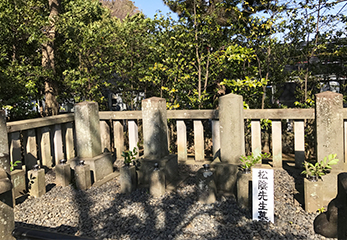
pixel 90 141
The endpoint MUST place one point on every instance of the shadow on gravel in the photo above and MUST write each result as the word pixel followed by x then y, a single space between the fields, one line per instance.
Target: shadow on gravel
pixel 177 215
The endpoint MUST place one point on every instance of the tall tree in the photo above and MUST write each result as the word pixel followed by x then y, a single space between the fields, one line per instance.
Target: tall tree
pixel 51 88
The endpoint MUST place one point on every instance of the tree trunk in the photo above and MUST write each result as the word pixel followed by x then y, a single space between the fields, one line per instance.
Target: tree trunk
pixel 51 91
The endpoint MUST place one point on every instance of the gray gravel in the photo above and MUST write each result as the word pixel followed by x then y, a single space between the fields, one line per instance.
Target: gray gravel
pixel 105 213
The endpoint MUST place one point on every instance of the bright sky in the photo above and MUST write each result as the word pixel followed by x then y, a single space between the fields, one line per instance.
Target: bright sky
pixel 151 7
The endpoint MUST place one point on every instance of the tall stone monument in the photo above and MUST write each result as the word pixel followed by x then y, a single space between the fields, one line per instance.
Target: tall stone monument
pixel 155 142
pixel 88 141
pixel 232 142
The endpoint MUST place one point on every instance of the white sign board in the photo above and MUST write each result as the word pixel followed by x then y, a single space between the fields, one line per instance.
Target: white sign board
pixel 263 194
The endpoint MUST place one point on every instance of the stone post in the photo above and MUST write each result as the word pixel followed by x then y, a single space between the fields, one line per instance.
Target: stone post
pixel 82 176
pixel 157 183
pixel 154 128
pixel 87 125
pixel 62 174
pixel 6 196
pixel 232 133
pixel 127 179
pixel 37 185
pixel 329 127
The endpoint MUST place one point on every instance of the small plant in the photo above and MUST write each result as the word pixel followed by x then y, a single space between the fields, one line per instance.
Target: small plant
pixel 321 210
pixel 15 164
pixel 320 168
pixel 129 156
pixel 251 160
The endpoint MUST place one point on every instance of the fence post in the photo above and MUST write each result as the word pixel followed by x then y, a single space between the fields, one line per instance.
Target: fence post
pixel 299 143
pixel 181 140
pixel 6 200
pixel 277 143
pixel 118 134
pixel 256 137
pixel 216 139
pixel 199 141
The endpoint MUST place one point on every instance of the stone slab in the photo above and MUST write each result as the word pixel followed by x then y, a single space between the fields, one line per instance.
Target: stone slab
pixel 101 165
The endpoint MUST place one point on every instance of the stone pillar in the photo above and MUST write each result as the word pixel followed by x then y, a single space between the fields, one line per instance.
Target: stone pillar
pixel 88 140
pixel 154 128
pixel 329 127
pixel 232 134
pixel 6 196
pixel 206 186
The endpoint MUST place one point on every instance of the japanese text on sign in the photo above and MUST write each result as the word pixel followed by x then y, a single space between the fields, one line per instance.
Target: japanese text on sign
pixel 263 194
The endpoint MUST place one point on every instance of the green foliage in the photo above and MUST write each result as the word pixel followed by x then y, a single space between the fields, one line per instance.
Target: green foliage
pixel 129 156
pixel 15 164
pixel 250 160
pixel 320 168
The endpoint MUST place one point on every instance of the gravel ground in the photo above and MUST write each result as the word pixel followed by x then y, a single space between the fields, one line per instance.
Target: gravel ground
pixel 105 213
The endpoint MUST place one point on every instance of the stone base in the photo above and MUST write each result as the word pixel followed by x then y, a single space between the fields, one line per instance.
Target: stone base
pixel 19 183
pixel 168 164
pixel 319 194
pixel 6 216
pixel 244 190
pixel 100 166
pixel 225 177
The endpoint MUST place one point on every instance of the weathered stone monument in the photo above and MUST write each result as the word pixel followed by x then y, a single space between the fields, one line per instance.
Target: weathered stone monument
pixel 232 142
pixel 156 142
pixel 6 196
pixel 88 141
pixel 329 140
